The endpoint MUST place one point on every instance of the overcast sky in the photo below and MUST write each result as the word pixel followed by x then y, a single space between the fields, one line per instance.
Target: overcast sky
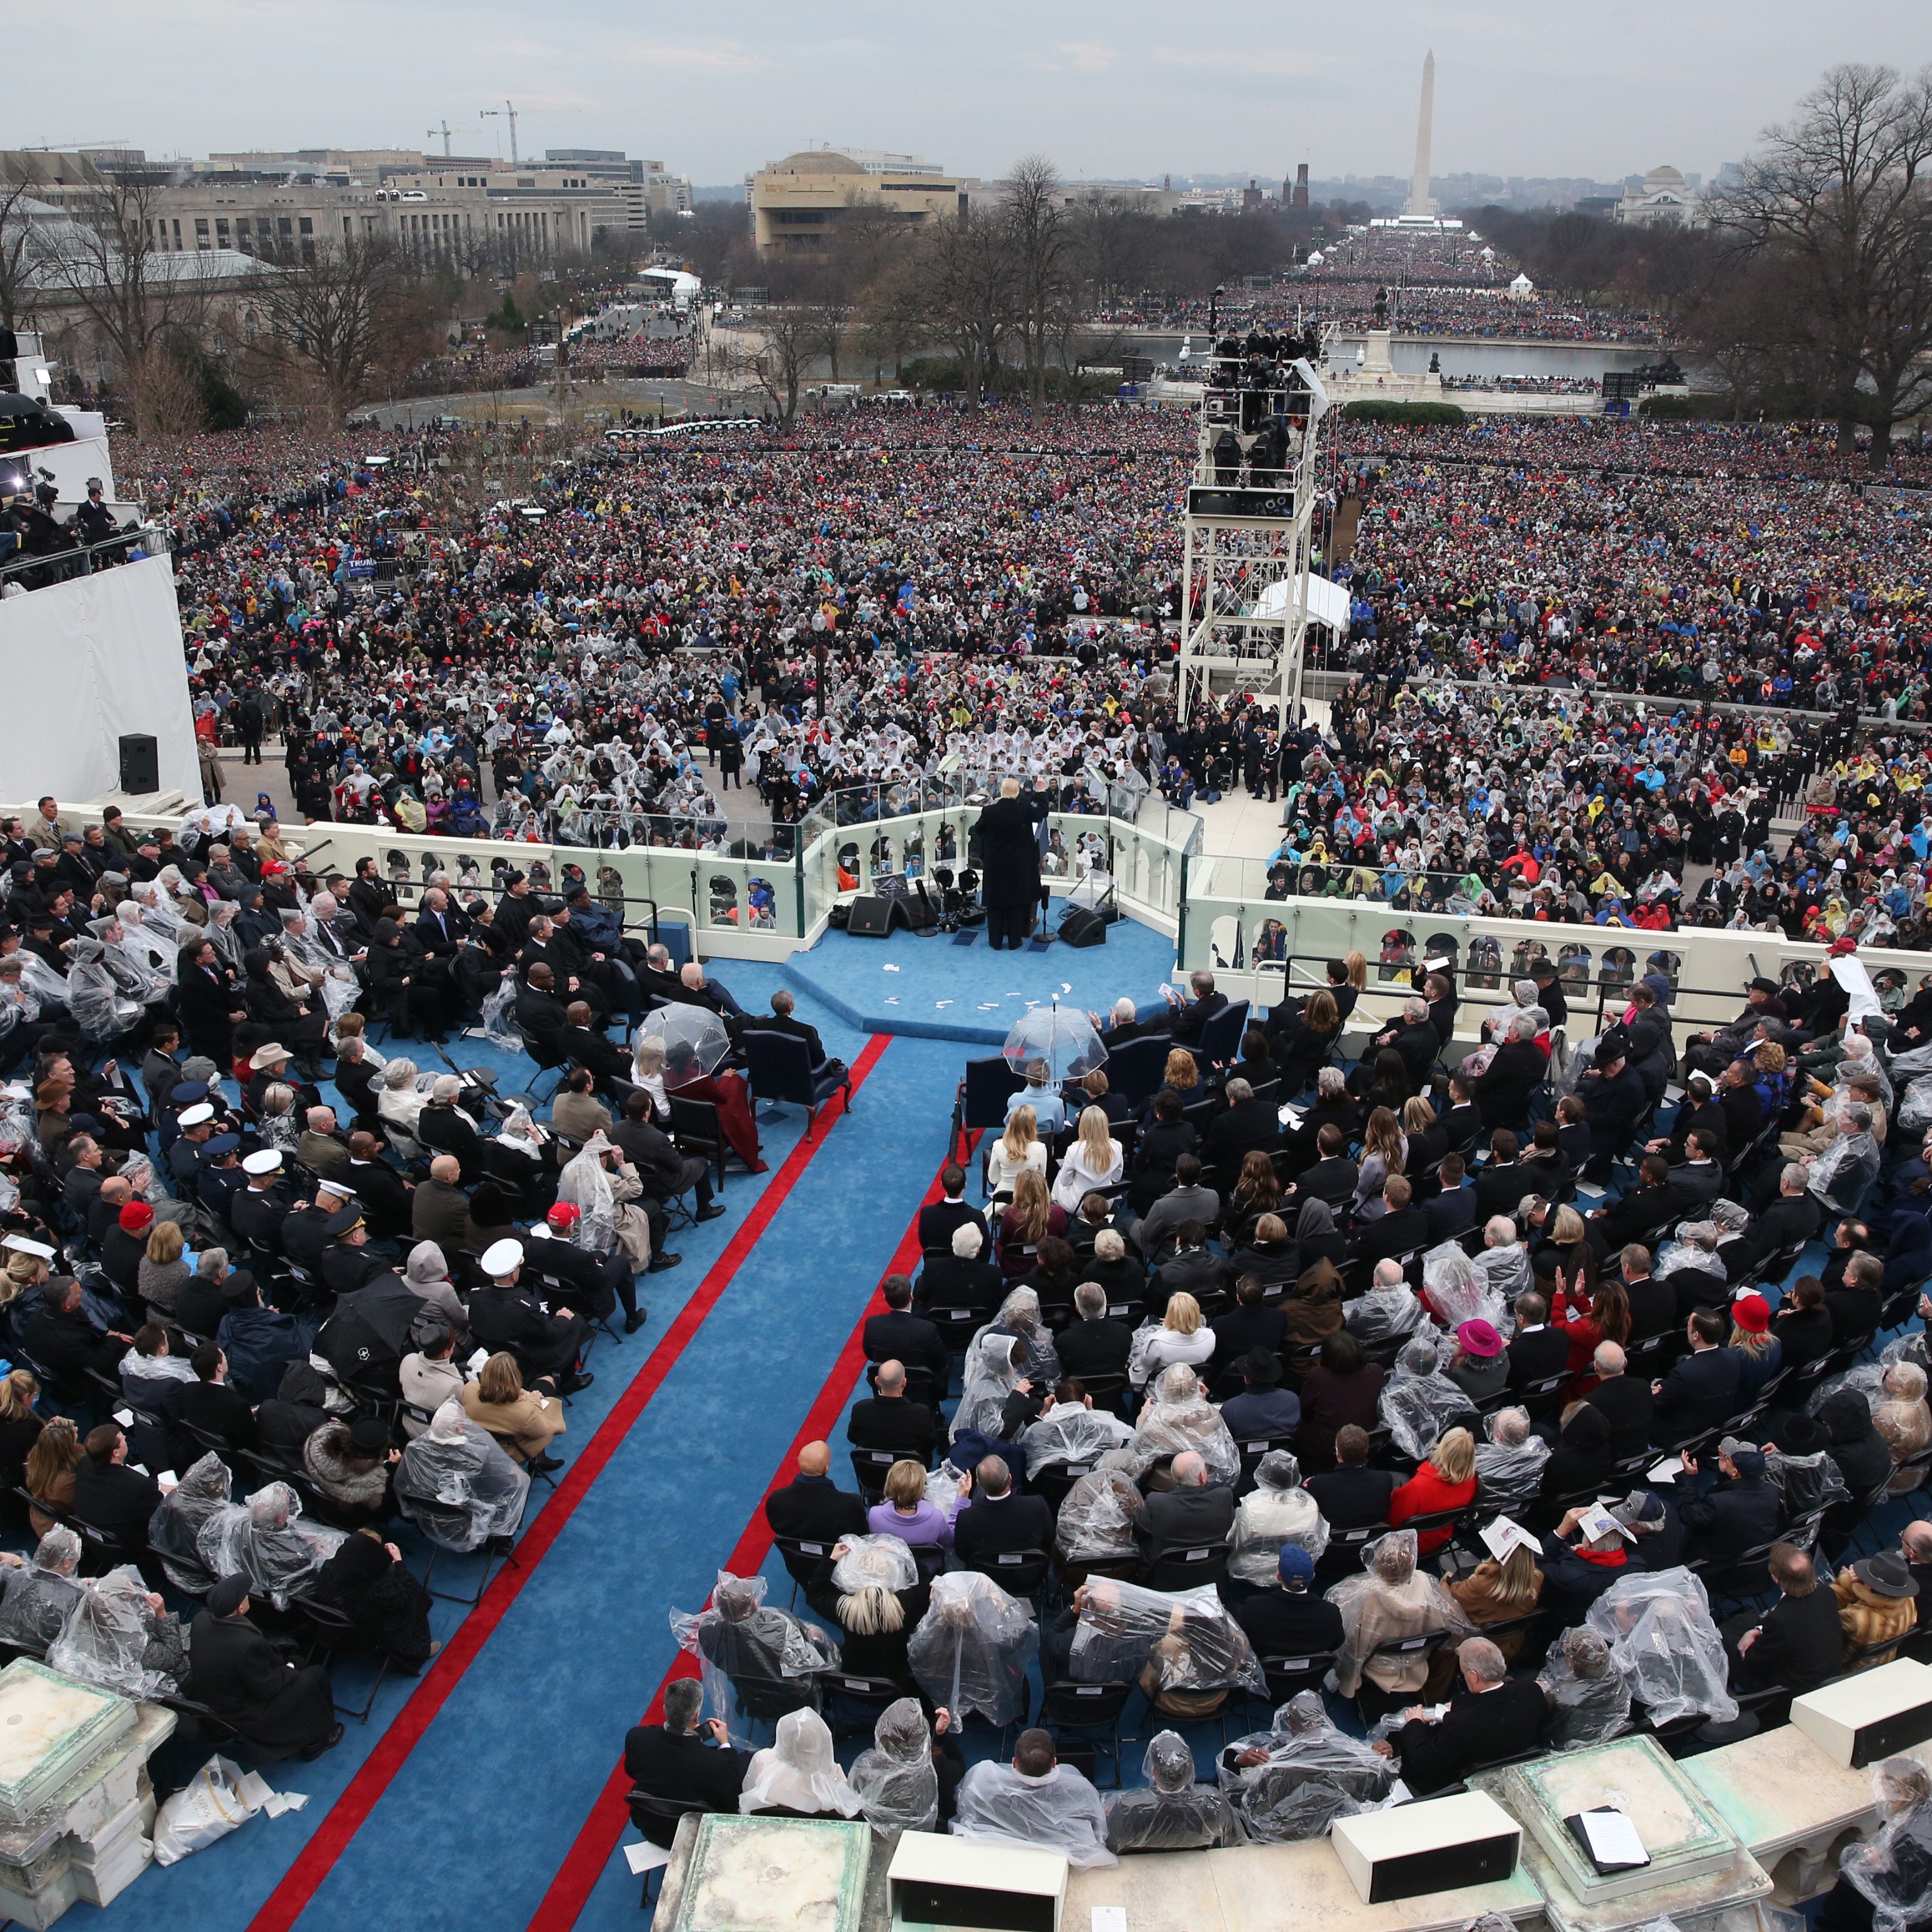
pixel 1129 88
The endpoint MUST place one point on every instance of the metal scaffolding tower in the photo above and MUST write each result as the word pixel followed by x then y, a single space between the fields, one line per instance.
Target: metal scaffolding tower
pixel 1249 522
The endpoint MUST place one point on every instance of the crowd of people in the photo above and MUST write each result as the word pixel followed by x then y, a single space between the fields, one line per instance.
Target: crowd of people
pixel 336 1308
pixel 1321 1405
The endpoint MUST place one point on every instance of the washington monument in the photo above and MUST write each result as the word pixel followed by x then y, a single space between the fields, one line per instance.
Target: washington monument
pixel 1419 202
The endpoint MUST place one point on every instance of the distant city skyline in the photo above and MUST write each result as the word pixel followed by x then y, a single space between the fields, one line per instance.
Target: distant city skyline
pixel 1116 91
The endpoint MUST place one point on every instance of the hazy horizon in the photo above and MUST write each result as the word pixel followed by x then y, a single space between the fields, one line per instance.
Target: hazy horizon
pixel 1107 91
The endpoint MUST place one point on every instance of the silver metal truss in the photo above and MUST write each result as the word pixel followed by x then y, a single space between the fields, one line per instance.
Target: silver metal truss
pixel 1249 525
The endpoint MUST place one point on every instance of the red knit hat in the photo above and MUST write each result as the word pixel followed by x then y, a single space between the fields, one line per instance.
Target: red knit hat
pixel 136 1217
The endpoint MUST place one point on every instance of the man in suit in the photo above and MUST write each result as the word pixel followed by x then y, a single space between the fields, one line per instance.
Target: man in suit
pixel 439 1209
pixel 610 1066
pixel 1742 1109
pixel 1334 1176
pixel 677 1759
pixel 962 1279
pixel 1653 1304
pixel 1190 1514
pixel 1246 1124
pixel 238 1674
pixel 1352 1495
pixel 1702 1391
pixel 1493 1715
pixel 108 1496
pixel 997 1522
pixel 444 1127
pixel 209 1404
pixel 784 1019
pixel 1699 1109
pixel 1613 1099
pixel 1415 1040
pixel 1463 1120
pixel 938 1218
pixel 1799 1642
pixel 1502 1184
pixel 62 1340
pixel 1400 1227
pixel 1191 1267
pixel 1291 1620
pixel 1191 1016
pixel 1856 1303
pixel 540 1013
pixel 1264 1408
pixel 1699 1178
pixel 321 1149
pixel 1253 1323
pixel 1009 866
pixel 811 1506
pixel 887 1421
pixel 1792 1219
pixel 1915 1545
pixel 357 1080
pixel 441 926
pixel 899 1335
pixel 385 1195
pixel 1646 1208
pixel 1186 1201
pixel 1094 1345
pixel 1537 1352
pixel 1452 1212
pixel 1625 1404
pixel 1740 1514
pixel 161 1068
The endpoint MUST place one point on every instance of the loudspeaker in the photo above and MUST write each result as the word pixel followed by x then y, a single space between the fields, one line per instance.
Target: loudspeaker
pixel 922 915
pixel 1082 928
pixel 873 918
pixel 140 763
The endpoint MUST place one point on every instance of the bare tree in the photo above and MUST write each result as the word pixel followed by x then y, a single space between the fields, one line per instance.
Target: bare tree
pixel 19 251
pixel 340 317
pixel 776 366
pixel 1040 241
pixel 148 307
pixel 970 273
pixel 1840 195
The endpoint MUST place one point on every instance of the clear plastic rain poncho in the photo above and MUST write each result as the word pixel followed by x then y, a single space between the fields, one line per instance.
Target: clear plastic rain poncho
pixel 1662 1639
pixel 896 1779
pixel 989 1378
pixel 1098 1513
pixel 739 1636
pixel 1187 1635
pixel 1695 1249
pixel 41 980
pixel 1460 1291
pixel 1073 1436
pixel 35 1609
pixel 339 989
pixel 1508 1473
pixel 1589 1699
pixel 136 972
pixel 875 1562
pixel 174 1530
pixel 1178 1416
pixel 495 1020
pixel 1891 1871
pixel 1418 1401
pixel 1171 1813
pixel 1382 1314
pixel 798 1772
pixel 457 1486
pixel 101 1010
pixel 585 1183
pixel 520 1133
pixel 1276 1512
pixel 1060 1811
pixel 114 1638
pixel 1391 1598
pixel 1808 1484
pixel 1019 1317
pixel 970 1650
pixel 1315 1774
pixel 267 1542
pixel 1505 1272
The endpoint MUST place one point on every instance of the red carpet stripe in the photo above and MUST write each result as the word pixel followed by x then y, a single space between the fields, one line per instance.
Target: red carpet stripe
pixel 291 1898
pixel 585 1861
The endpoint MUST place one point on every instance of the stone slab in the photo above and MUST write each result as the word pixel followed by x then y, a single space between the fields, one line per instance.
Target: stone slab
pixel 51 1728
pixel 757 1874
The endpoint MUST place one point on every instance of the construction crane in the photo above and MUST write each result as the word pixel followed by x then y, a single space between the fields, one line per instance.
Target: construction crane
pixel 497 114
pixel 432 134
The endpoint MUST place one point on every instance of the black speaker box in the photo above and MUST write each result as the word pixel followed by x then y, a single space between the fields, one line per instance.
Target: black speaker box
pixel 1082 928
pixel 140 763
pixel 921 914
pixel 873 918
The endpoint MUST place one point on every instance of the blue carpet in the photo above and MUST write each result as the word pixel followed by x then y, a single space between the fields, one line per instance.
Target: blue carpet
pixel 924 987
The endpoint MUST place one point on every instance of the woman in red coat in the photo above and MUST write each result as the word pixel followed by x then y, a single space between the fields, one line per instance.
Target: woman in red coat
pixel 1446 1481
pixel 726 1091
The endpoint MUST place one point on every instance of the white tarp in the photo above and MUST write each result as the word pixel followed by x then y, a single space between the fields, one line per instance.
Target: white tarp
pixel 1327 602
pixel 83 662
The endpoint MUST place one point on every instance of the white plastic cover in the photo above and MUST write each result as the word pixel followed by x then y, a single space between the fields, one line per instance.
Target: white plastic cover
pixel 1892 1870
pixel 799 1771
pixel 99 1009
pixel 585 1183
pixel 1591 1700
pixel 886 1562
pixel 114 1638
pixel 989 1378
pixel 1382 1314
pixel 174 1530
pixel 1060 1811
pixel 1460 1291
pixel 1177 1417
pixel 457 1486
pixel 1391 1598
pixel 1069 1434
pixel 1661 1638
pixel 267 1542
pixel 1509 1473
pixel 1171 1813
pixel 970 1650
pixel 1276 1512
pixel 738 1635
pixel 1098 1516
pixel 896 1779
pixel 1188 1636
pixel 1314 1774
pixel 1417 1404
pixel 39 1596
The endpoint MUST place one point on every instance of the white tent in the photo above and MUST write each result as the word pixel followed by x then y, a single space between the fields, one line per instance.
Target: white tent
pixel 1523 288
pixel 1327 602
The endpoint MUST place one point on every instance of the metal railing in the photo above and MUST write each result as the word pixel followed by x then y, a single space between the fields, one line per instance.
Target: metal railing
pixel 79 560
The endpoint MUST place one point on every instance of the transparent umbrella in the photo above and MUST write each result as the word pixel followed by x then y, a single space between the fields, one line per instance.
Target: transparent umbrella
pixel 698 1027
pixel 1058 1040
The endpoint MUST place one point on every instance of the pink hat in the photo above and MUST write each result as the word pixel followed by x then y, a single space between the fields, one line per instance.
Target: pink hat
pixel 1479 1338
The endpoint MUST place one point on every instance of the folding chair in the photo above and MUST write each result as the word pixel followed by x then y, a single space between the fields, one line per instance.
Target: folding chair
pixel 656 1820
pixel 696 1129
pixel 1069 1706
pixel 1188 1569
pixel 331 1629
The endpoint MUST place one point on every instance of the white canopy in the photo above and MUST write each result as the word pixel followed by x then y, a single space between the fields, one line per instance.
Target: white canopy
pixel 1328 603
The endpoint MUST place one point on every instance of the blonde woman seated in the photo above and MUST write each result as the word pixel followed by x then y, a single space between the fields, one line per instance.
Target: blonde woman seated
pixel 647 1064
pixel 1049 1108
pixel 1903 1420
pixel 1093 1162
pixel 1180 1337
pixel 280 1125
pixel 1384 1152
pixel 399 1105
pixel 521 1420
pixel 1180 1076
pixel 1018 1149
